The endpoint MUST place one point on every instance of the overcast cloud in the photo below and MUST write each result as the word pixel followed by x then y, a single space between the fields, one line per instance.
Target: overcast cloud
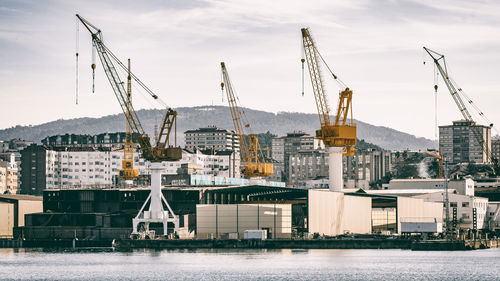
pixel 176 46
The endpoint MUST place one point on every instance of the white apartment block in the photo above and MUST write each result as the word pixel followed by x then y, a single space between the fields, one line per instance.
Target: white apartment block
pixel 76 167
pixel 211 138
pixel 464 205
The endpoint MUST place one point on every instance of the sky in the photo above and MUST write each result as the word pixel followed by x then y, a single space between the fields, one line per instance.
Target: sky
pixel 375 47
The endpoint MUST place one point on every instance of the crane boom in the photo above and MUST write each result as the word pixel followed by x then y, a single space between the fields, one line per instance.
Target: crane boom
pixel 454 91
pixel 251 153
pixel 339 134
pixel 160 152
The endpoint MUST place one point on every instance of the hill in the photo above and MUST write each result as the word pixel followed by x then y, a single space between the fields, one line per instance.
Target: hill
pixel 202 116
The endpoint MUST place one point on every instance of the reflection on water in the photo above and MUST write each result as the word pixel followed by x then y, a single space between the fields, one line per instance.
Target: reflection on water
pixel 224 264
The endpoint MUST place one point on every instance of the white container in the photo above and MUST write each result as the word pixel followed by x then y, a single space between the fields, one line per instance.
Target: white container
pixel 255 234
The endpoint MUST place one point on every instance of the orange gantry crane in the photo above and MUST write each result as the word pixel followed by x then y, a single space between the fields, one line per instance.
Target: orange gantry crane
pixel 339 137
pixel 254 164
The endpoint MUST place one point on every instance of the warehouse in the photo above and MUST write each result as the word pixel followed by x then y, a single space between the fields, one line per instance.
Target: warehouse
pixel 12 211
pixel 229 212
pixel 336 213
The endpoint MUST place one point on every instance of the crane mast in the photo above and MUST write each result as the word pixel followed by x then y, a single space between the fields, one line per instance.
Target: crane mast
pixel 128 172
pixel 340 137
pixel 251 153
pixel 454 91
pixel 157 154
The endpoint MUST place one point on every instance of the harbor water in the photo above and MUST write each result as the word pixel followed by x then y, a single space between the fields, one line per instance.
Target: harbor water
pixel 224 264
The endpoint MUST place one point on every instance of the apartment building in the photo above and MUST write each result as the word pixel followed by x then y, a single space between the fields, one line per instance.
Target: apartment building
pixel 283 147
pixel 114 140
pixel 361 169
pixel 46 168
pixel 211 138
pixel 459 143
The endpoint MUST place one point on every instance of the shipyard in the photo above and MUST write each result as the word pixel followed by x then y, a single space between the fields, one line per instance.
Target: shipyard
pixel 256 171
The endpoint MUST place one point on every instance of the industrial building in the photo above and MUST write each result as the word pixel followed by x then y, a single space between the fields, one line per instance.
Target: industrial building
pixel 107 213
pixel 458 143
pixel 463 186
pixel 468 212
pixel 231 221
pixel 211 138
pixel 493 217
pixel 13 209
pixel 335 213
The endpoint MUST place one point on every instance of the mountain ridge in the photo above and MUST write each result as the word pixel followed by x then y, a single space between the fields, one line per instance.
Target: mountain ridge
pixel 202 116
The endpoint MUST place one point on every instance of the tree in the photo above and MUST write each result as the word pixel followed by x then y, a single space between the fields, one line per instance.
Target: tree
pixel 405 171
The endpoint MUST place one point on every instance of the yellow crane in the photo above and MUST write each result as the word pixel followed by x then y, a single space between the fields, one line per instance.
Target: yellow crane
pixel 339 137
pixel 128 172
pixel 341 133
pixel 440 158
pixel 251 153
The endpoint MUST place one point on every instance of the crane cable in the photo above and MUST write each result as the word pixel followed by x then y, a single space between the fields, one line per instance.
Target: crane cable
pixel 335 77
pixel 77 43
pixel 474 106
pixel 436 74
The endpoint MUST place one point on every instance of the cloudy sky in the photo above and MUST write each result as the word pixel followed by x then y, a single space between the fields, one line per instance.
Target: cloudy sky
pixel 176 47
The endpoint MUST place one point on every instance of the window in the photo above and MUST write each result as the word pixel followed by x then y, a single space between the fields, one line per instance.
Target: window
pixel 465 204
pixel 453 204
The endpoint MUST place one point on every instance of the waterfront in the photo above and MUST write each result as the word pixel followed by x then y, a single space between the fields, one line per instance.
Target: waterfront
pixel 22 264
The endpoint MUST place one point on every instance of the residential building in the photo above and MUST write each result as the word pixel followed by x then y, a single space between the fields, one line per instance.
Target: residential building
pixel 464 206
pixel 48 168
pixel 8 177
pixel 459 144
pixel 495 149
pixel 211 138
pixel 114 140
pixel 283 147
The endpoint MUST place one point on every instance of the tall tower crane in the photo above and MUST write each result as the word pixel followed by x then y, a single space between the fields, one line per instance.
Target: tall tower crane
pixel 162 151
pixel 251 153
pixel 339 137
pixel 455 92
pixel 128 172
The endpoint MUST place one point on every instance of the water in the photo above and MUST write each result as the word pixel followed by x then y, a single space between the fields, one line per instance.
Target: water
pixel 251 265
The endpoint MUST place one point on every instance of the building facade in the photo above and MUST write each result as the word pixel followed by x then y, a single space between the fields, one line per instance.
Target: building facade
pixel 8 176
pixel 459 144
pixel 114 140
pixel 283 147
pixel 464 206
pixel 211 138
pixel 49 168
pixel 495 149
pixel 361 169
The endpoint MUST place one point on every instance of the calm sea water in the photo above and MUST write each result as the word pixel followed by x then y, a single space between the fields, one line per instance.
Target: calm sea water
pixel 250 265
